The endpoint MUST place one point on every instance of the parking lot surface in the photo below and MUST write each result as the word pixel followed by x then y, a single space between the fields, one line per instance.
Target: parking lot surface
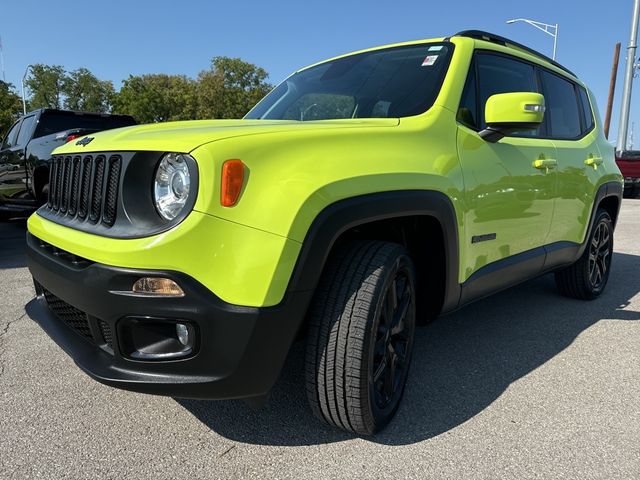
pixel 524 384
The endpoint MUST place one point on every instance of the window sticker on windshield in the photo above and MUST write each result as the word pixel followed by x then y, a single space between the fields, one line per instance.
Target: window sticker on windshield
pixel 430 60
pixel 435 48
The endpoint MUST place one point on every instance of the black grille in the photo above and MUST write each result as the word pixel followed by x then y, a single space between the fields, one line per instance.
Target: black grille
pixel 105 329
pixel 74 318
pixel 85 188
pixel 78 320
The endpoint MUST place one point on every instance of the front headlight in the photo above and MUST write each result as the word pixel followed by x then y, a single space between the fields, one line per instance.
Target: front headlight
pixel 171 186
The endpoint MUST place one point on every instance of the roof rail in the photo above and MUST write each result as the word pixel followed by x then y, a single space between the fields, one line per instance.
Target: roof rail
pixel 493 38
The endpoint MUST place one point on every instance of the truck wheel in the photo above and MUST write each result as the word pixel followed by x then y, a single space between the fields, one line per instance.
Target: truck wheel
pixel 362 324
pixel 587 277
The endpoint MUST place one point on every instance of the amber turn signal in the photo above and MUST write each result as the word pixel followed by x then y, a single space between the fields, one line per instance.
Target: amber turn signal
pixel 232 179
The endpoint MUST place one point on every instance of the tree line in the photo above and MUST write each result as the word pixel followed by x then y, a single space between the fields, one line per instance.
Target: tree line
pixel 228 89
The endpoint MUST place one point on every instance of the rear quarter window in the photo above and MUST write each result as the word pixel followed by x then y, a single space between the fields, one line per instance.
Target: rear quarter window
pixel 562 113
pixel 587 113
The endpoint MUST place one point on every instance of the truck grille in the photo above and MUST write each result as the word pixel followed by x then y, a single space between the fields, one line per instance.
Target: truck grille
pixel 78 320
pixel 85 187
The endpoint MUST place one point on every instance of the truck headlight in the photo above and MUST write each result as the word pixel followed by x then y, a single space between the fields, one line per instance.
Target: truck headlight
pixel 171 186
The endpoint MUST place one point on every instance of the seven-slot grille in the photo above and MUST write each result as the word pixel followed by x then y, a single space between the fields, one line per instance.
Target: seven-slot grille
pixel 85 187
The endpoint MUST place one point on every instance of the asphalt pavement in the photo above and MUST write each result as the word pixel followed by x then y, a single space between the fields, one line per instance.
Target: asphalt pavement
pixel 524 384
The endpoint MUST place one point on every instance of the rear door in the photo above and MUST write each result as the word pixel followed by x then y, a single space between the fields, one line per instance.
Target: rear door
pixel 570 123
pixel 509 202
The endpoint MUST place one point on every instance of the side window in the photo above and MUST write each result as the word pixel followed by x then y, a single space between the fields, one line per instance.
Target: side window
pixel 26 130
pixel 587 113
pixel 468 109
pixel 500 74
pixel 10 139
pixel 562 113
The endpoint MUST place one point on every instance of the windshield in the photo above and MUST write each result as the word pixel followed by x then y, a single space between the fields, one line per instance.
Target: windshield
pixel 392 82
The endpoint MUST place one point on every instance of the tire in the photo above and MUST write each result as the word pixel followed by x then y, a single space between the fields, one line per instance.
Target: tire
pixel 349 339
pixel 587 278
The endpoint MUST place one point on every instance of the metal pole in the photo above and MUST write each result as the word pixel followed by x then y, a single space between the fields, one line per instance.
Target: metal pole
pixel 4 79
pixel 612 89
pixel 24 77
pixel 623 128
pixel 555 42
pixel 24 103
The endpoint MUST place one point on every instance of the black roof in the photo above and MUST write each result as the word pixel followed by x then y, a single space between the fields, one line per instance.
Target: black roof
pixel 493 38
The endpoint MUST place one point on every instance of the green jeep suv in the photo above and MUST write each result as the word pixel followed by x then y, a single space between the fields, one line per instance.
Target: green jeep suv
pixel 364 195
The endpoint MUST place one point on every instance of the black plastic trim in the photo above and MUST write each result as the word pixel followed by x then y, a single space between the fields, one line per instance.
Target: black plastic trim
pixel 344 215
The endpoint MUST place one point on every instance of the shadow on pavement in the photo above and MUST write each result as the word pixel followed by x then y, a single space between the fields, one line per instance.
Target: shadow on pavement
pixel 13 244
pixel 462 363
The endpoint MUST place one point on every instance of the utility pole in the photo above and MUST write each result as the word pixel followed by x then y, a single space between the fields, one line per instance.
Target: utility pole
pixel 612 89
pixel 623 128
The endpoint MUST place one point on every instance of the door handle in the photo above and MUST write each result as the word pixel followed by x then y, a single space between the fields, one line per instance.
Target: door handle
pixel 593 161
pixel 545 163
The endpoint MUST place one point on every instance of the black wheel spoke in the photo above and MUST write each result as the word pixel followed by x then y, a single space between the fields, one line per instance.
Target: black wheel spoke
pixel 599 255
pixel 380 371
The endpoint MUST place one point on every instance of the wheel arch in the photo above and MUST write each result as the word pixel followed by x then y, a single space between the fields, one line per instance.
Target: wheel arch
pixel 425 209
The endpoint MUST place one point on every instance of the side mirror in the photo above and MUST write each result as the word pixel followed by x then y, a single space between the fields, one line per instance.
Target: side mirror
pixel 506 113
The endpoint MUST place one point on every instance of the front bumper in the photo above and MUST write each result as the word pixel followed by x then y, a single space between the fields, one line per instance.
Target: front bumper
pixel 241 349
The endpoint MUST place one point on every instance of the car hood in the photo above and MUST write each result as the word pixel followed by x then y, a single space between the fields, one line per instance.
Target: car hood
pixel 188 135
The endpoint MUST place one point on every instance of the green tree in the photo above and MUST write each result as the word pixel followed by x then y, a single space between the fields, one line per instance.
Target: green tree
pixel 230 88
pixel 10 107
pixel 46 84
pixel 157 98
pixel 84 91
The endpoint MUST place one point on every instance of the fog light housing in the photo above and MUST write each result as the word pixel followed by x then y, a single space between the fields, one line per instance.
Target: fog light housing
pixel 157 286
pixel 157 339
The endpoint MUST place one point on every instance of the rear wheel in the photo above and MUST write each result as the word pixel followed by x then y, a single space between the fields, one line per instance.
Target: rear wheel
pixel 361 331
pixel 587 278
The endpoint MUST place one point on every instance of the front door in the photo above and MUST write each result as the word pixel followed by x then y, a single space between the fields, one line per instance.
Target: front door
pixel 509 200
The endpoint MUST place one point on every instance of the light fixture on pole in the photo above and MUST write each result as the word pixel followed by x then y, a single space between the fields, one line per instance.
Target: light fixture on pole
pixel 24 102
pixel 547 28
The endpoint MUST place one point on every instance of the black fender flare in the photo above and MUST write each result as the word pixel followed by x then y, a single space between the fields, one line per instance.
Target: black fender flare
pixel 343 215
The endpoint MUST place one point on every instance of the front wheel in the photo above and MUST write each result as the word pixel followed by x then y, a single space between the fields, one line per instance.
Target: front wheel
pixel 587 277
pixel 361 331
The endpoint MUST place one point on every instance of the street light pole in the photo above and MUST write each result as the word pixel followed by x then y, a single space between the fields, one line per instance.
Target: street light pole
pixel 548 28
pixel 24 102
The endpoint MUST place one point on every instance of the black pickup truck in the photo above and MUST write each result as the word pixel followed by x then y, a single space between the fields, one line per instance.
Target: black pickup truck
pixel 25 153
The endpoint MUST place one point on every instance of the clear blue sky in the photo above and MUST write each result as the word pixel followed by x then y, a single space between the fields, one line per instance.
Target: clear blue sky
pixel 119 37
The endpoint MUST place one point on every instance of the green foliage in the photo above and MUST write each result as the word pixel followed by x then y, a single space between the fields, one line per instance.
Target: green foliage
pixel 46 85
pixel 157 98
pixel 84 91
pixel 230 88
pixel 10 107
